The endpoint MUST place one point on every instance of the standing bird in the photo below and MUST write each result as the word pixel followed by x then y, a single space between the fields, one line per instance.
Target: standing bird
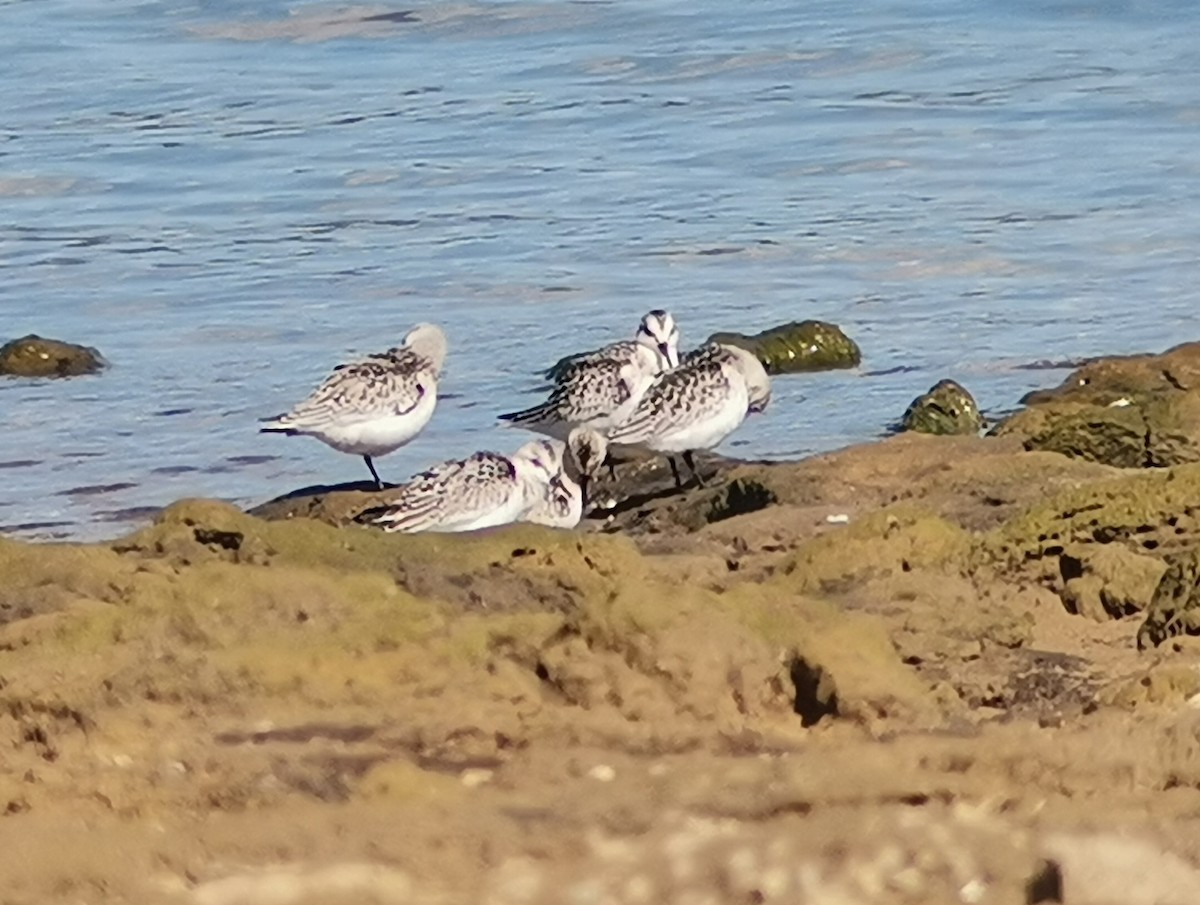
pixel 599 395
pixel 656 331
pixel 600 389
pixel 481 491
pixel 697 405
pixel 373 406
pixel 578 462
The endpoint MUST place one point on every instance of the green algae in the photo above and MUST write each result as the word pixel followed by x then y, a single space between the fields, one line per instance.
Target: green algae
pixel 1175 607
pixel 1147 512
pixel 1134 412
pixel 34 356
pixel 797 347
pixel 946 409
pixel 890 541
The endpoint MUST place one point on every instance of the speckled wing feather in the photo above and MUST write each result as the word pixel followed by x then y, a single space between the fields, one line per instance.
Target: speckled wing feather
pixel 451 493
pixel 620 352
pixel 691 392
pixel 588 392
pixel 390 383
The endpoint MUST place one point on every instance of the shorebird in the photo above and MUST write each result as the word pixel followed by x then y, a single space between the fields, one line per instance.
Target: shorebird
pixel 375 405
pixel 600 389
pixel 481 491
pixel 696 405
pixel 597 394
pixel 561 506
pixel 657 332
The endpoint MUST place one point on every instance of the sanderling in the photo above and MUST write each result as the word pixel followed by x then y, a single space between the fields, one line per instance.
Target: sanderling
pixel 481 491
pixel 562 504
pixel 696 405
pixel 599 395
pixel 657 332
pixel 373 406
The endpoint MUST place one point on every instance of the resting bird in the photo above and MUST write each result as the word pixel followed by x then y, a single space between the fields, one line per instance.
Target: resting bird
pixel 373 406
pixel 578 462
pixel 696 405
pixel 481 491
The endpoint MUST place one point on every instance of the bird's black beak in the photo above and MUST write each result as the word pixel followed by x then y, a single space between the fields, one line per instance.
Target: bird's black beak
pixel 584 480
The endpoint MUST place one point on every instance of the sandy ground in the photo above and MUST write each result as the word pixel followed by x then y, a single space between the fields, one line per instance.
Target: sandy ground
pixel 906 672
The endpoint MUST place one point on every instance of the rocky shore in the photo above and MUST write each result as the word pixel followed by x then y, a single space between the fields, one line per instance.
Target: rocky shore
pixel 928 669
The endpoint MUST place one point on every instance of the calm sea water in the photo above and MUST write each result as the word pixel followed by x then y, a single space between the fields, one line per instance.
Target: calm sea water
pixel 228 199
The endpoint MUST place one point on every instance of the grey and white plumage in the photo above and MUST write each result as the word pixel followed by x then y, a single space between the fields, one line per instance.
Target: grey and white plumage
pixel 657 332
pixel 481 491
pixel 698 404
pixel 597 395
pixel 579 460
pixel 375 405
pixel 600 389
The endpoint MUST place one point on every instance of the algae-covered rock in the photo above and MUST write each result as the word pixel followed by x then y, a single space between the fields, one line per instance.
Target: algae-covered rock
pixel 1155 513
pixel 1139 411
pixel 1103 381
pixel 884 543
pixel 1114 435
pixel 1108 581
pixel 1099 547
pixel 946 409
pixel 34 356
pixel 798 346
pixel 1175 608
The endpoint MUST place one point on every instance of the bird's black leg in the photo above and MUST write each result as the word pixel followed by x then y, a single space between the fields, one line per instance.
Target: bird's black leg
pixel 675 471
pixel 687 457
pixel 374 473
pixel 612 465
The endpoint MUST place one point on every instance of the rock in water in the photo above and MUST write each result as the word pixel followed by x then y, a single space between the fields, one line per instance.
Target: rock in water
pixel 946 409
pixel 33 356
pixel 797 347
pixel 1135 411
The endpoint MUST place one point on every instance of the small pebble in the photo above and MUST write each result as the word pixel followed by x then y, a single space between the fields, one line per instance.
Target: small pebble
pixel 840 518
pixel 475 777
pixel 602 773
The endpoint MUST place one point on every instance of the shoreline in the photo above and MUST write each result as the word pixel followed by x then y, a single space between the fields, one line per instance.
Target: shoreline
pixel 902 669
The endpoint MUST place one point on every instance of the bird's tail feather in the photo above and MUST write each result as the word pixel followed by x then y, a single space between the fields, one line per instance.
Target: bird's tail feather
pixel 277 425
pixel 526 416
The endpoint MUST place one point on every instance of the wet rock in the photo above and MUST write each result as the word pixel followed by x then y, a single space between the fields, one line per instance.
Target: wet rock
pixel 1175 607
pixel 798 346
pixel 34 356
pixel 946 409
pixel 339 504
pixel 1138 411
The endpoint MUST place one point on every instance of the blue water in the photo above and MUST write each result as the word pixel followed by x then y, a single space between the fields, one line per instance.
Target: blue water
pixel 228 199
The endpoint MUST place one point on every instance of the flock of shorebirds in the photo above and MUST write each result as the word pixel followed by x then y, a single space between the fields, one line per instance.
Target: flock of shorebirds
pixel 630 395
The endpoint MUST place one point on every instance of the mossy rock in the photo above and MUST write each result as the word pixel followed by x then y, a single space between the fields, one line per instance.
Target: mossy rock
pixel 1140 411
pixel 34 356
pixel 1110 435
pixel 1104 381
pixel 797 347
pixel 1156 513
pixel 1175 607
pixel 947 409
